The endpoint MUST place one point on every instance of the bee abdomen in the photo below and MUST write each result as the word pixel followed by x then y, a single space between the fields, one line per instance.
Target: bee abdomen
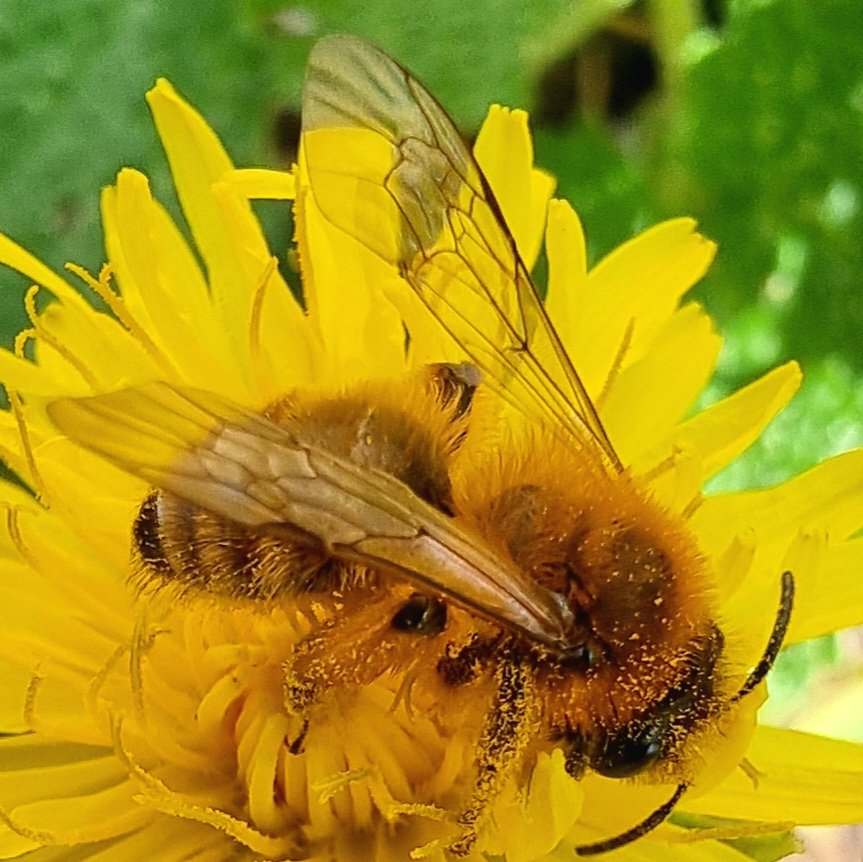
pixel 147 537
pixel 180 547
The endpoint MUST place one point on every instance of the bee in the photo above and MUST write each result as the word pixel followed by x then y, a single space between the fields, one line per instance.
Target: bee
pixel 542 573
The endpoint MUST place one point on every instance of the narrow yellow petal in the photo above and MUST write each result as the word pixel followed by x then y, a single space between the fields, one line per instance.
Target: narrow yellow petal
pixel 612 807
pixel 111 504
pixel 540 820
pixel 504 151
pixel 90 816
pixel 804 778
pixel 655 849
pixel 63 768
pixel 168 840
pixel 835 600
pixel 162 285
pixel 634 422
pixel 637 286
pixel 13 845
pixel 727 428
pixel 197 160
pixel 225 230
pixel 90 333
pixel 826 497
pixel 100 345
pixel 262 184
pixel 542 187
pixel 567 270
pixel 13 680
pixel 283 344
pixel 15 257
pixel 240 309
pixel 345 281
pixel 25 376
pixel 835 709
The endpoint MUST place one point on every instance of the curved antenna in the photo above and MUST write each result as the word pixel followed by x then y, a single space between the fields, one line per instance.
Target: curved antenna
pixel 774 644
pixel 634 832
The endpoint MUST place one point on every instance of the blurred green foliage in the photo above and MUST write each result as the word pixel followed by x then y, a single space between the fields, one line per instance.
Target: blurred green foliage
pixel 747 115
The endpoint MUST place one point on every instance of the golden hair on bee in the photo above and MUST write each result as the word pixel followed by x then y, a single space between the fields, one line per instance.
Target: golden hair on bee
pixel 630 569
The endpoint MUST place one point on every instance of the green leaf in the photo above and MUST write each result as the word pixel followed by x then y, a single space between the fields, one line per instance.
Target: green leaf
pixel 772 137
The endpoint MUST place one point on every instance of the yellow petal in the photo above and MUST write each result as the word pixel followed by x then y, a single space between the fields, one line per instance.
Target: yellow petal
pixel 13 845
pixel 804 778
pixel 25 376
pixel 567 270
pixel 262 184
pixel 826 497
pixel 612 807
pixel 13 683
pixel 90 816
pixel 343 279
pixel 834 600
pixel 98 343
pixel 197 160
pixel 169 840
pixel 88 339
pixel 634 419
pixel 266 287
pixel 727 428
pixel 637 286
pixel 162 285
pixel 534 823
pixel 63 769
pixel 504 151
pixel 15 257
pixel 225 230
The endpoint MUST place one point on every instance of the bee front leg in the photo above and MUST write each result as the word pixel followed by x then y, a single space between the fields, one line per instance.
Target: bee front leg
pixel 503 741
pixel 347 652
pixel 363 642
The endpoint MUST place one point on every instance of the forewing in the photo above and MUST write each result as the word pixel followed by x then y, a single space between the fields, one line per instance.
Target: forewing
pixel 388 166
pixel 249 470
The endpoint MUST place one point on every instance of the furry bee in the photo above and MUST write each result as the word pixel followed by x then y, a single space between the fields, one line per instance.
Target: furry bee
pixel 546 576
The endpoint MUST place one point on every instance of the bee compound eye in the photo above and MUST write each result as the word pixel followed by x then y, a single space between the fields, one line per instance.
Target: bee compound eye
pixel 629 752
pixel 578 658
pixel 421 615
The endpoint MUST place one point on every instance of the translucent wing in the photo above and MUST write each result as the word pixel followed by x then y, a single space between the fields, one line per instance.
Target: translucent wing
pixel 247 469
pixel 387 166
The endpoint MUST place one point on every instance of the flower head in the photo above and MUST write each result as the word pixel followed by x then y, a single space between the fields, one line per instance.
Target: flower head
pixel 142 727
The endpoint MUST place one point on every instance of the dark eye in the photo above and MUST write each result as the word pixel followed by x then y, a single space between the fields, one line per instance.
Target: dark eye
pixel 579 658
pixel 420 615
pixel 629 752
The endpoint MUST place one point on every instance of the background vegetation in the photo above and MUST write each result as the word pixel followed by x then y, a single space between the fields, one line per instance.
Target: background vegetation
pixel 746 114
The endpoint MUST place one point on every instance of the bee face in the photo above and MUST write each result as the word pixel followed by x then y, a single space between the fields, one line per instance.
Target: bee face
pixel 541 578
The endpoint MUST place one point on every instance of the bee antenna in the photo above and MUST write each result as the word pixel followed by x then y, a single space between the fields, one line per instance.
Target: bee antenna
pixel 634 832
pixel 777 636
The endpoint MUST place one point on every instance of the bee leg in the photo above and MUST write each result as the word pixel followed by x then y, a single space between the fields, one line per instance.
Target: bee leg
pixel 504 739
pixel 370 640
pixel 301 694
pixel 296 747
pixel 576 758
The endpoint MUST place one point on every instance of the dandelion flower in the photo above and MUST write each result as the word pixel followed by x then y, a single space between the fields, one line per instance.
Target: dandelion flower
pixel 141 729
